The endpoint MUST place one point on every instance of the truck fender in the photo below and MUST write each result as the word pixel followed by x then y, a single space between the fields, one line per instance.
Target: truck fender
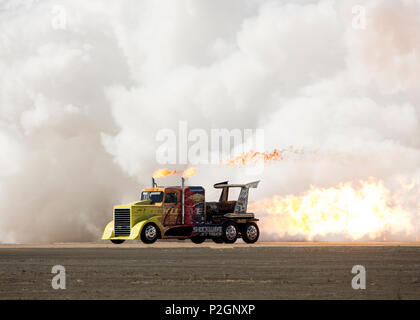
pixel 109 231
pixel 138 227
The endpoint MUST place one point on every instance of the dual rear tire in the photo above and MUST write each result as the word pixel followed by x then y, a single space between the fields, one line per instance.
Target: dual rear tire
pixel 217 240
pixel 230 232
pixel 198 239
pixel 249 232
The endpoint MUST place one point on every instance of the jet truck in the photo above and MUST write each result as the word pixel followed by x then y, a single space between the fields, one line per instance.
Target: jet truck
pixel 181 212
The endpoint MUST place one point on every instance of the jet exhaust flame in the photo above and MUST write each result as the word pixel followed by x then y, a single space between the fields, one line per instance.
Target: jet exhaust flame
pixel 369 212
pixel 252 157
pixel 189 172
pixel 161 173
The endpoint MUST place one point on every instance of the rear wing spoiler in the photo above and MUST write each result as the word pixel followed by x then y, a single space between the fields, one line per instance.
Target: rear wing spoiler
pixel 226 185
pixel 242 202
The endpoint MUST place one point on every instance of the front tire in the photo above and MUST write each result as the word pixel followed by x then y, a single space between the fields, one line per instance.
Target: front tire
pixel 250 232
pixel 230 232
pixel 149 233
pixel 117 241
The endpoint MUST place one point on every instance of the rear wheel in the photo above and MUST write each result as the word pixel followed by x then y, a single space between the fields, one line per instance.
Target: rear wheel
pixel 230 232
pixel 250 232
pixel 117 241
pixel 217 240
pixel 198 239
pixel 149 233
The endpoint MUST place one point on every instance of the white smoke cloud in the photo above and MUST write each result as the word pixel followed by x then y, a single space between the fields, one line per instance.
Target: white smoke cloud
pixel 80 106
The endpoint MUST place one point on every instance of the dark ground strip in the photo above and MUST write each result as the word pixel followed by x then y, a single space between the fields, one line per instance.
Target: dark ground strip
pixel 207 273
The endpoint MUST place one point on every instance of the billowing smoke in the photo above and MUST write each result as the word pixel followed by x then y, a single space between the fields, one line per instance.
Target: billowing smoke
pixel 86 85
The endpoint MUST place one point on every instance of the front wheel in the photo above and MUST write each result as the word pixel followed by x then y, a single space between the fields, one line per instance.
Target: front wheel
pixel 149 233
pixel 250 232
pixel 198 239
pixel 230 232
pixel 117 241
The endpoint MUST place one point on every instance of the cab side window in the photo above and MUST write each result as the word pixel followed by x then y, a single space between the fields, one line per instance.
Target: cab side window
pixel 171 198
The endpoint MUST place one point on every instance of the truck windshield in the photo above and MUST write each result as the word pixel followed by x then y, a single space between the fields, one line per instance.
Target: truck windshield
pixel 155 196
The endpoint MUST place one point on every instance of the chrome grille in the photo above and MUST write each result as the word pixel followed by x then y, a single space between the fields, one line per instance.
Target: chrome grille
pixel 122 222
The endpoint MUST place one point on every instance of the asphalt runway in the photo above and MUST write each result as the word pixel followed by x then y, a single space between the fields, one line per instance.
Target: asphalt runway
pixel 182 270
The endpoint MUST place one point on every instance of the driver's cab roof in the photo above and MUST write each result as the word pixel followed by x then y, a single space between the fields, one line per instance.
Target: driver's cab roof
pixel 154 189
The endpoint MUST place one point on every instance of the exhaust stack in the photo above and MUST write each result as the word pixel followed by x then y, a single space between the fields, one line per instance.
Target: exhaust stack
pixel 182 198
pixel 154 184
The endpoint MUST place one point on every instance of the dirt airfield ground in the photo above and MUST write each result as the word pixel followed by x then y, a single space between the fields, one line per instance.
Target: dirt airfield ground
pixel 182 270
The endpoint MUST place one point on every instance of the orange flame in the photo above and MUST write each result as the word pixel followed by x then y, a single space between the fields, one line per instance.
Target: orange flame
pixel 342 213
pixel 164 173
pixel 253 157
pixel 189 172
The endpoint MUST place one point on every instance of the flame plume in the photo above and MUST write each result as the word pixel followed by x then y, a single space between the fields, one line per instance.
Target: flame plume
pixel 252 157
pixel 189 172
pixel 345 212
pixel 161 173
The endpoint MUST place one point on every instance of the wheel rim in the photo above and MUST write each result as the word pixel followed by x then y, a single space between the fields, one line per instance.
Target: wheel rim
pixel 150 232
pixel 251 232
pixel 230 232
